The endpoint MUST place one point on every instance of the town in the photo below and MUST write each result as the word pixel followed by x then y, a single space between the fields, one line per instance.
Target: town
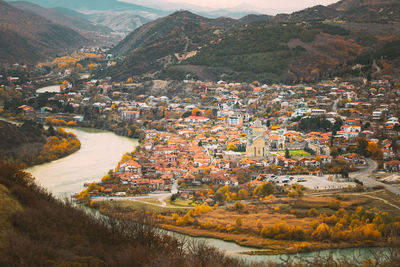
pixel 201 133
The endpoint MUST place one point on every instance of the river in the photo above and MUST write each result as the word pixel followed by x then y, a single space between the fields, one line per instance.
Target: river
pixel 100 151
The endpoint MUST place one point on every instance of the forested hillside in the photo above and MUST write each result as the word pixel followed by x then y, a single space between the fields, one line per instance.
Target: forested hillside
pixel 31 144
pixel 311 44
pixel 26 37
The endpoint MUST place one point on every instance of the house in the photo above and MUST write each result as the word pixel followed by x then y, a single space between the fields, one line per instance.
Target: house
pixel 130 114
pixel 131 166
pixel 392 166
pixel 235 120
pixel 196 119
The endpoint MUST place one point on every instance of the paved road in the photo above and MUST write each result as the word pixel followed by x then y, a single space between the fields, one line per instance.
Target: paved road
pixel 335 103
pixel 365 176
pixel 159 196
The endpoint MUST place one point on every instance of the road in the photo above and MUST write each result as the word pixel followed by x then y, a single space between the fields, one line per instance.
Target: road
pixel 335 103
pixel 365 176
pixel 160 196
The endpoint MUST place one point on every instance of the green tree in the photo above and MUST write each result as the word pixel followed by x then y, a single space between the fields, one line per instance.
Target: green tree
pixel 264 189
pixel 287 154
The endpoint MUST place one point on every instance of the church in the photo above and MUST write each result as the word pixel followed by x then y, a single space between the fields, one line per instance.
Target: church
pixel 257 142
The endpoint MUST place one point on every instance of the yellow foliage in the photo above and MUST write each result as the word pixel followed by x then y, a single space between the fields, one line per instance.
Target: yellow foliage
pixel 322 232
pixel 229 228
pixel 106 178
pixel 202 209
pixel 270 199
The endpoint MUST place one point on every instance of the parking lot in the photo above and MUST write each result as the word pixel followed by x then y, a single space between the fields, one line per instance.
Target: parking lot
pixel 310 181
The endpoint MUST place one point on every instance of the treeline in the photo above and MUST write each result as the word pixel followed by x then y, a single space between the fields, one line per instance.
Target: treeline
pixel 50 232
pixel 308 124
pixel 30 144
pixel 58 146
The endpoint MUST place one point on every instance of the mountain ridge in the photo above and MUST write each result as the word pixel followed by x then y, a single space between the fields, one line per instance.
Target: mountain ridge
pixel 337 40
pixel 27 37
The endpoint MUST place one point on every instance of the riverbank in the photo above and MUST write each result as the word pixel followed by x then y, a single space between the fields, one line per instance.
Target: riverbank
pixel 284 225
pixel 268 247
pixel 48 230
pixel 100 151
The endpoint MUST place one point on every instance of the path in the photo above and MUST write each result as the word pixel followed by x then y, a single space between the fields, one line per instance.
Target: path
pixel 335 103
pixel 365 177
pixel 365 194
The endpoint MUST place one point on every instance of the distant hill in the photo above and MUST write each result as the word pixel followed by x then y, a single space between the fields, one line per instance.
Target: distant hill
pixel 26 37
pixel 167 41
pixel 117 20
pixel 308 44
pixel 348 10
pixel 96 5
pixel 74 22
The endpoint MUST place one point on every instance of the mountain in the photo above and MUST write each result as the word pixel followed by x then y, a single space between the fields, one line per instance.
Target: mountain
pixel 120 21
pixel 369 11
pixel 167 41
pixel 78 24
pixel 305 45
pixel 113 5
pixel 70 13
pixel 26 37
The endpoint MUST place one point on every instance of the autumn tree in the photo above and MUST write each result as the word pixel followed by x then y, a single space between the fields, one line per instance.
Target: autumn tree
pixel 231 147
pixel 264 189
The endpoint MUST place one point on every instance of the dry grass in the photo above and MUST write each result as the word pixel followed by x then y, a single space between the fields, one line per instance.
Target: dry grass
pixel 256 215
pixel 8 205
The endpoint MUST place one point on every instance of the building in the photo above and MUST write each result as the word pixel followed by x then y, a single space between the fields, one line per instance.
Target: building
pixel 130 114
pixel 257 142
pixel 235 120
pixel 195 119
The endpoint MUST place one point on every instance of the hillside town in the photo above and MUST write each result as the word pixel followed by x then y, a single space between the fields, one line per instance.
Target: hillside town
pixel 223 133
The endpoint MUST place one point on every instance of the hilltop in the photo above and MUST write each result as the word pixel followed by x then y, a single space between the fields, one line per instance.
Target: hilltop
pixel 80 25
pixel 167 41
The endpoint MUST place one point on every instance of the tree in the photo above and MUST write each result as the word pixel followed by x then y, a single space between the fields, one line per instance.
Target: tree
pixel 322 232
pixel 264 189
pixel 238 222
pixel 51 131
pixel 220 196
pixel 287 153
pixel 231 147
pixel 362 145
pixel 238 206
pixel 243 194
pixel 196 112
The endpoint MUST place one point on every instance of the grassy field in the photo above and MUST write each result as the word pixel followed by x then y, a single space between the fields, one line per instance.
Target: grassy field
pixel 180 203
pixel 249 224
pixel 256 215
pixel 296 153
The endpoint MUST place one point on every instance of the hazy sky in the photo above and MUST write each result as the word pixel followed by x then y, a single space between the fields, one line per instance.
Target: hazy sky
pixel 261 5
